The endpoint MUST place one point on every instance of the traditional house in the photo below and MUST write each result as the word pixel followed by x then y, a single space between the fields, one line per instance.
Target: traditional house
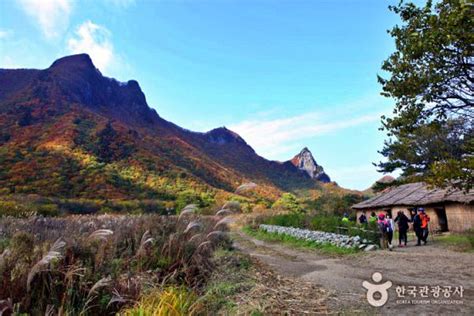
pixel 448 209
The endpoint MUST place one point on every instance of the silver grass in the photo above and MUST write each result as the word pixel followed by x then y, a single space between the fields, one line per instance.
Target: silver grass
pixel 3 256
pixel 104 282
pixel 192 225
pixel 146 239
pixel 224 212
pixel 217 234
pixel 231 205
pixel 75 271
pixel 190 206
pixel 245 187
pixel 49 310
pixel 185 212
pixel 223 222
pixel 100 234
pixel 204 246
pixel 117 298
pixel 53 254
pixel 194 237
pixel 188 209
pixel 5 306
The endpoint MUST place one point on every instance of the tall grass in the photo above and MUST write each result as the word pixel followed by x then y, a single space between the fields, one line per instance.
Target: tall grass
pixel 100 265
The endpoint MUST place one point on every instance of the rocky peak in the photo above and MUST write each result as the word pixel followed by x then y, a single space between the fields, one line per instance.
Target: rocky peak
pixel 306 162
pixel 74 61
pixel 76 79
pixel 222 135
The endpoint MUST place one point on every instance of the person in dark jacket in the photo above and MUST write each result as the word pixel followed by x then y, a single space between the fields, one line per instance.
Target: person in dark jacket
pixel 402 221
pixel 363 219
pixel 417 227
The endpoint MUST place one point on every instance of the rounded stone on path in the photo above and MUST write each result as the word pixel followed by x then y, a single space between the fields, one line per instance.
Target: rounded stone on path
pixel 370 248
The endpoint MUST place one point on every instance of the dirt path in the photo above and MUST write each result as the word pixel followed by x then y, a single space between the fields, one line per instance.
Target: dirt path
pixel 428 265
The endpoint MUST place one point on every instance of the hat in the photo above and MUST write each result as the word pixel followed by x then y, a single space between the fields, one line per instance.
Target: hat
pixel 421 209
pixel 381 216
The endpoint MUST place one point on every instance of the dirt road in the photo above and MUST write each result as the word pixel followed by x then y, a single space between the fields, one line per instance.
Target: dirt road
pixel 429 265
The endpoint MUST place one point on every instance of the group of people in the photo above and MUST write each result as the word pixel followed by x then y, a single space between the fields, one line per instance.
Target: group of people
pixel 386 225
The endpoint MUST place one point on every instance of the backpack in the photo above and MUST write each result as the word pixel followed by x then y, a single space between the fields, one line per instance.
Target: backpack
pixel 385 226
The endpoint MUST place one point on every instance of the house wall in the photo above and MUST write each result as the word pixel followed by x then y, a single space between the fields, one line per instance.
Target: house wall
pixel 460 216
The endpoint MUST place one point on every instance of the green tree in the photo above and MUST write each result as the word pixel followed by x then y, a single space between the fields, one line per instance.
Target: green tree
pixel 288 202
pixel 432 81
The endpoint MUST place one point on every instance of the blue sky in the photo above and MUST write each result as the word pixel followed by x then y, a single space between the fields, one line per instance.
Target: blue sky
pixel 282 74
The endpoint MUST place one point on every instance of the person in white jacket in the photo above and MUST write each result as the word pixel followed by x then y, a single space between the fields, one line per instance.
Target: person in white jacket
pixel 392 226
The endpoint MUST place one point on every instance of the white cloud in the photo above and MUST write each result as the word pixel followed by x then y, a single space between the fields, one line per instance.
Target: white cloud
pixel 275 136
pixel 5 33
pixel 94 40
pixel 52 16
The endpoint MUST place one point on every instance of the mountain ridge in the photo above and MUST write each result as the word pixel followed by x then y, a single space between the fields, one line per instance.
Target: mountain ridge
pixel 72 107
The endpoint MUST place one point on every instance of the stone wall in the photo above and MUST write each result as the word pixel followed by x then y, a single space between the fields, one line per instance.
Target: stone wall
pixel 338 240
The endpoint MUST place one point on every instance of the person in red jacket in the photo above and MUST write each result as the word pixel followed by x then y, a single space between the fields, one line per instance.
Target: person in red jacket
pixel 425 219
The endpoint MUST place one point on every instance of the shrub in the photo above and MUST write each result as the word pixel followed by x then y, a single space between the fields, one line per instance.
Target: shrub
pixel 288 202
pixel 288 220
pixel 48 210
pixel 326 223
pixel 169 301
pixel 80 207
pixel 13 208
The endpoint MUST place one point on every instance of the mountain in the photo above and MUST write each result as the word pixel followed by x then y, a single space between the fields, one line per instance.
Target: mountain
pixel 386 179
pixel 68 131
pixel 306 162
pixel 381 184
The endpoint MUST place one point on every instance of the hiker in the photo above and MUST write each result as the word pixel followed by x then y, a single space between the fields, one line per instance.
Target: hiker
pixel 424 225
pixel 391 229
pixel 386 230
pixel 372 218
pixel 363 219
pixel 345 218
pixel 417 227
pixel 391 223
pixel 402 221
